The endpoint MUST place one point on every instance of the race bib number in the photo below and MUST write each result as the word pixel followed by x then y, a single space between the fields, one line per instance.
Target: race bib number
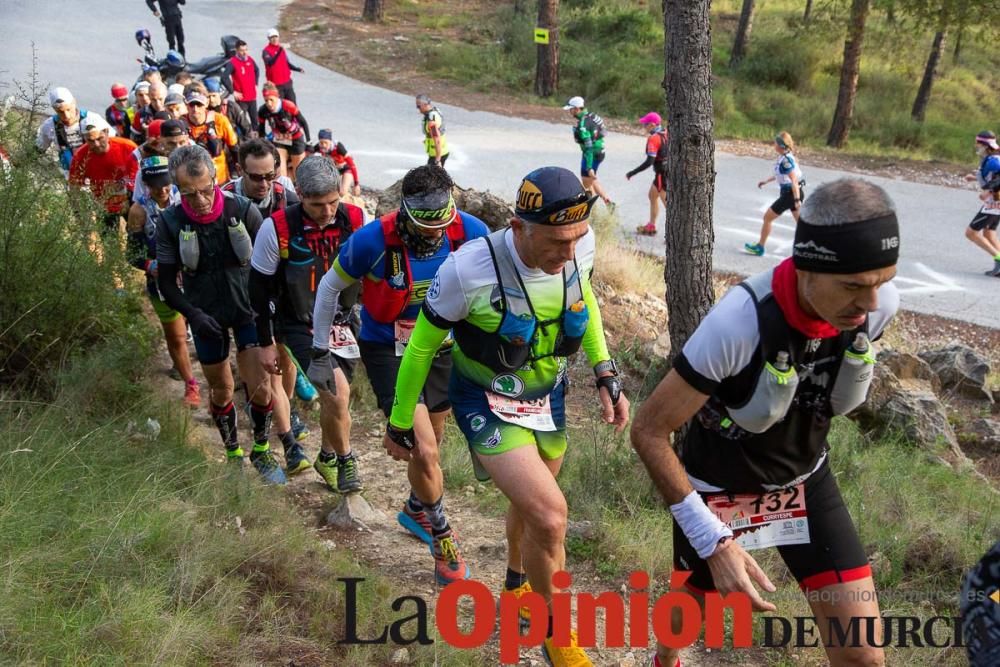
pixel 769 519
pixel 535 415
pixel 403 329
pixel 991 206
pixel 282 138
pixel 342 342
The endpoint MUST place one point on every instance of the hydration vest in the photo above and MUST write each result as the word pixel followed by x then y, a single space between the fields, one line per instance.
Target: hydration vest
pixel 434 115
pixel 209 139
pixel 509 347
pixel 66 149
pixel 307 252
pixel 662 153
pixel 767 425
pixel 278 202
pixel 386 299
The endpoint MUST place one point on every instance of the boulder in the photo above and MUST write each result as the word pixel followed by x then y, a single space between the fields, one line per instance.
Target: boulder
pixel 354 512
pixel 987 432
pixel 961 370
pixel 907 366
pixel 486 206
pixel 915 411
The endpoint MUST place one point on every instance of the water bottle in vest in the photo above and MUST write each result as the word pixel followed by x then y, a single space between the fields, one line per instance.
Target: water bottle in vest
pixel 854 377
pixel 190 249
pixel 239 238
pixel 771 397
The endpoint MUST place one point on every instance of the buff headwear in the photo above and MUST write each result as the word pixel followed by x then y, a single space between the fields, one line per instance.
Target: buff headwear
pixel 850 248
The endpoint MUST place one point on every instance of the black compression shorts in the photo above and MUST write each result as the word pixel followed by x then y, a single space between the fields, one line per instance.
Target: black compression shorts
pixel 298 338
pixel 834 553
pixel 382 366
pixel 985 221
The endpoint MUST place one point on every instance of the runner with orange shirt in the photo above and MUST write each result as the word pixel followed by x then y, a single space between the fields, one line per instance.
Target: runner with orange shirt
pixel 214 133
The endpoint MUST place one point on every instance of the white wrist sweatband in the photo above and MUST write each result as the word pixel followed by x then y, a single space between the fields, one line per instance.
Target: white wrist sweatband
pixel 701 527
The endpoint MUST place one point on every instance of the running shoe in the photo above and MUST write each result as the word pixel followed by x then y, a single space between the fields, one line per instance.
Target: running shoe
pixel 328 471
pixel 417 523
pixel 348 477
pixel 995 271
pixel 234 456
pixel 267 467
pixel 449 566
pixel 565 656
pixel 523 614
pixel 304 389
pixel 296 460
pixel 299 428
pixel 754 249
pixel 648 229
pixel 192 395
pixel 190 336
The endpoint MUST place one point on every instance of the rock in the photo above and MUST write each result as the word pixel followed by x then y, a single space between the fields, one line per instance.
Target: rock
pixel 880 563
pixel 961 370
pixel 354 512
pixel 987 432
pixel 907 366
pixel 915 411
pixel 582 529
pixel 400 38
pixel 400 657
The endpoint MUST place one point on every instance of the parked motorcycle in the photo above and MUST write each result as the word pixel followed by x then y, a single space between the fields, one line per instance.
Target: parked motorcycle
pixel 174 63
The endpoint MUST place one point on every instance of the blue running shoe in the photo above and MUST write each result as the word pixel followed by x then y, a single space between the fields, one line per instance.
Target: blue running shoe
pixel 296 460
pixel 299 428
pixel 417 523
pixel 268 468
pixel 304 389
pixel 754 249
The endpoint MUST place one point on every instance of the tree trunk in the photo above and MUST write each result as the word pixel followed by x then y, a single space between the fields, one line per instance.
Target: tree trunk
pixel 742 33
pixel 956 56
pixel 547 69
pixel 841 126
pixel 374 11
pixel 691 166
pixel 808 12
pixel 924 92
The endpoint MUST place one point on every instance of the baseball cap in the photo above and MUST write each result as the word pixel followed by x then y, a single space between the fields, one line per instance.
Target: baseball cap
pixel 553 196
pixel 93 122
pixel 60 96
pixel 651 118
pixel 988 138
pixel 326 134
pixel 213 84
pixel 176 88
pixel 574 102
pixel 154 129
pixel 156 171
pixel 118 91
pixel 142 86
pixel 194 97
pixel 173 128
pixel 273 32
pixel 173 98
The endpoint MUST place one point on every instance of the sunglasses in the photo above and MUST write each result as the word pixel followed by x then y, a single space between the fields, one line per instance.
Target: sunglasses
pixel 260 178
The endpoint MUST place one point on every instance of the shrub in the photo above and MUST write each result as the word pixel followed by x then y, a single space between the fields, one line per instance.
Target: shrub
pixel 782 60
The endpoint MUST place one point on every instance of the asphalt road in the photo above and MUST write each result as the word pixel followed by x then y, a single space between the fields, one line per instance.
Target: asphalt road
pixel 88 45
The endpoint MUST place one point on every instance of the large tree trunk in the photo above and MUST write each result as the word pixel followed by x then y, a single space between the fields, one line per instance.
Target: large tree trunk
pixel 742 33
pixel 687 54
pixel 808 12
pixel 924 92
pixel 374 11
pixel 547 69
pixel 841 126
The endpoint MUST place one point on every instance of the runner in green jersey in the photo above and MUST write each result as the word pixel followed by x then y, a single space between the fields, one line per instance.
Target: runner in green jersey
pixel 519 302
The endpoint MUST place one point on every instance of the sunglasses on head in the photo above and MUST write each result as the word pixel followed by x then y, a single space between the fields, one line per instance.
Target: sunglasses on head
pixel 259 178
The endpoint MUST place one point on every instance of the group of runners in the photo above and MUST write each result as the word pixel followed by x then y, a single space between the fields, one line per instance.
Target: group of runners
pixel 449 317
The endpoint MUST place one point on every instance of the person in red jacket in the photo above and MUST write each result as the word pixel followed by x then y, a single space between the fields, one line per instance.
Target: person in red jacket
pixel 289 129
pixel 277 67
pixel 107 166
pixel 244 75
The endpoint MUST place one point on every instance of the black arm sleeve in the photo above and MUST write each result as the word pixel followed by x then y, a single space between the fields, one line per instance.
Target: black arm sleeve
pixel 261 130
pixel 136 250
pixel 642 167
pixel 294 68
pixel 305 126
pixel 993 185
pixel 263 292
pixel 268 60
pixel 166 280
pixel 152 5
pixel 256 73
pixel 226 77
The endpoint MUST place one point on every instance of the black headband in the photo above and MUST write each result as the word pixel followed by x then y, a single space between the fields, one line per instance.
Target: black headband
pixel 854 247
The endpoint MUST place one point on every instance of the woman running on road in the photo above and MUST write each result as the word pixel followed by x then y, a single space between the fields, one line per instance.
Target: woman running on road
pixel 789 178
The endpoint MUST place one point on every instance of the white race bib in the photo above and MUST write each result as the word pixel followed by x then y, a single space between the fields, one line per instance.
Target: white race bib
pixel 535 415
pixel 403 331
pixel 342 342
pixel 770 519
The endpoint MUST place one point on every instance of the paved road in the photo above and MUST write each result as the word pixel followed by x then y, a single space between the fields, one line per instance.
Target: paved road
pixel 87 45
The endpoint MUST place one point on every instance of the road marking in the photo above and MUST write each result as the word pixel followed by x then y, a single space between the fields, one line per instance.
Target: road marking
pixel 938 282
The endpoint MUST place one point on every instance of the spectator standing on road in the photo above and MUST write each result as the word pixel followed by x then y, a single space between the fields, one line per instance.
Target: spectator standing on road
pixel 433 125
pixel 790 181
pixel 983 229
pixel 277 67
pixel 244 74
pixel 170 16
pixel 656 157
pixel 588 131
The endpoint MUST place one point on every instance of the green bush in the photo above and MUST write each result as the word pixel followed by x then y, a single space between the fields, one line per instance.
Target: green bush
pixel 782 60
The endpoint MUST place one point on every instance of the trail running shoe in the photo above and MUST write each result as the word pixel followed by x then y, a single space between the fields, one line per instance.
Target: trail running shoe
pixel 417 523
pixel 348 477
pixel 299 428
pixel 328 471
pixel 449 566
pixel 523 614
pixel 304 389
pixel 192 395
pixel 754 249
pixel 646 230
pixel 995 271
pixel 296 460
pixel 267 467
pixel 234 456
pixel 565 656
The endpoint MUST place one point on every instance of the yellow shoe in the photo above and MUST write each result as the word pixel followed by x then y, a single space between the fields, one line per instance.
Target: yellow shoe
pixel 524 614
pixel 566 656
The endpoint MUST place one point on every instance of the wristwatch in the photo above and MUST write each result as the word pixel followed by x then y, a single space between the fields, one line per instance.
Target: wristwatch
pixel 605 366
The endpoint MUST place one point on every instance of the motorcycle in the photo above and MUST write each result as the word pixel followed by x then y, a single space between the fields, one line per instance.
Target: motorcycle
pixel 174 63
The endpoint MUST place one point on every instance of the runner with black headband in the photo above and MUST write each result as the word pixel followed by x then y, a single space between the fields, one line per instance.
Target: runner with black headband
pixel 520 302
pixel 759 381
pixel 396 257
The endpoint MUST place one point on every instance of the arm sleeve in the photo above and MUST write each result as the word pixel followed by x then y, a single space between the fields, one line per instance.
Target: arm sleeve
pixel 226 77
pixel 642 167
pixel 266 256
pixel 305 125
pixel 261 121
pixel 424 343
pixel 263 291
pixel 268 60
pixel 333 283
pixel 353 167
pixel 256 73
pixel 166 280
pixel 594 344
pixel 294 68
